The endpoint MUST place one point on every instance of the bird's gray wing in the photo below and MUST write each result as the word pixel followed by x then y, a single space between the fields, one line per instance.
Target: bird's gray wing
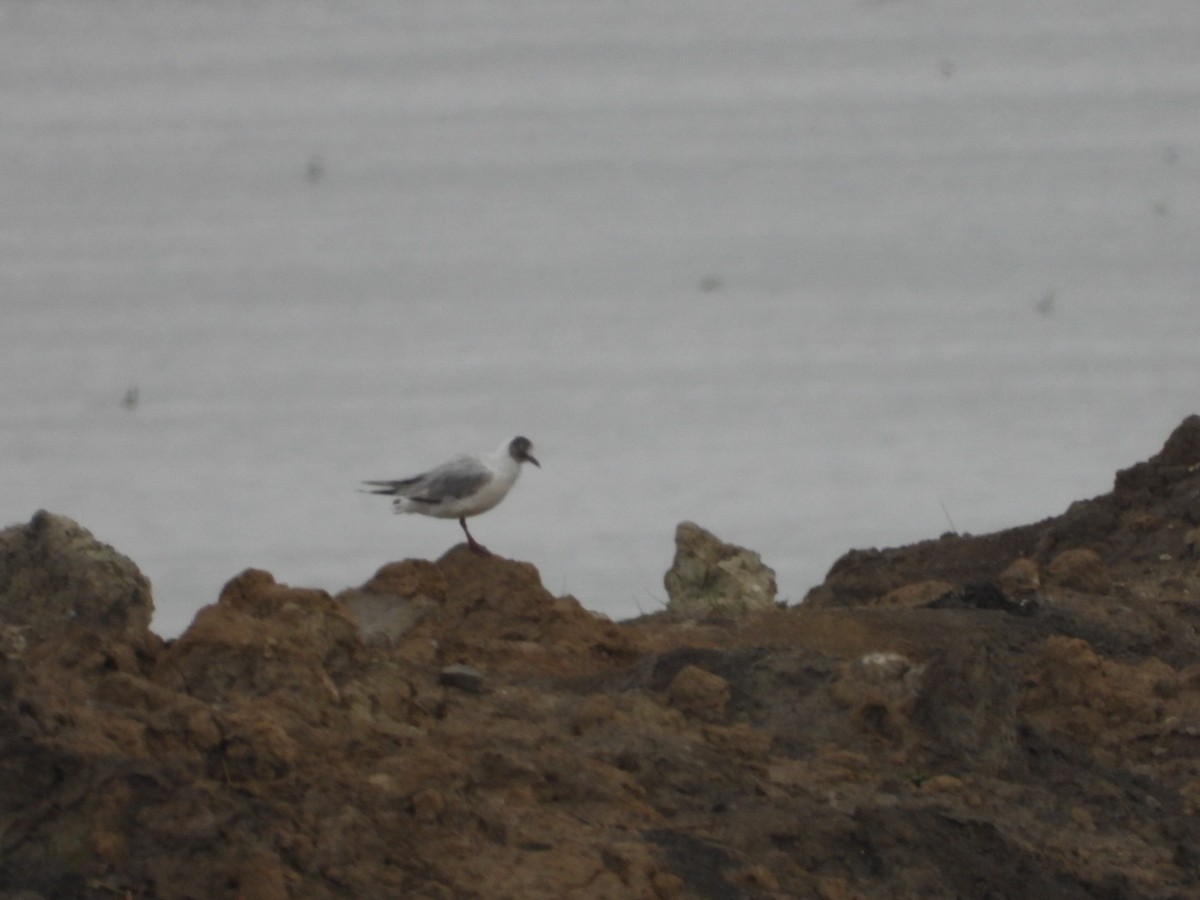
pixel 451 481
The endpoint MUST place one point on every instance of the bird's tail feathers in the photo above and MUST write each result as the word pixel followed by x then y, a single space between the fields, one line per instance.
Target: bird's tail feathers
pixel 379 487
pixel 391 488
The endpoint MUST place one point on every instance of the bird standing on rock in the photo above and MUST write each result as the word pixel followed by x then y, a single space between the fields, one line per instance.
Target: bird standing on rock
pixel 466 486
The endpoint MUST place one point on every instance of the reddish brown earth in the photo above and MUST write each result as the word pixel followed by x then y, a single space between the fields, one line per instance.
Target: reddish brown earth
pixel 1014 715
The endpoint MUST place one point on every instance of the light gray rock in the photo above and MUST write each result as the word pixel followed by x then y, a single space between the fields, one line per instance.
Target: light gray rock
pixel 397 598
pixel 54 576
pixel 386 617
pixel 709 576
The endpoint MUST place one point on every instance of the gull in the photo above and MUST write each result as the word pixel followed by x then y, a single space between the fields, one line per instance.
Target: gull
pixel 466 486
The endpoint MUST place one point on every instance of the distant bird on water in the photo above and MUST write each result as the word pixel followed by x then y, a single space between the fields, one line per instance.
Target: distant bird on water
pixel 466 486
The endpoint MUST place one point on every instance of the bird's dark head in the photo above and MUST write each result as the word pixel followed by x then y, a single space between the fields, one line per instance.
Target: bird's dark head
pixel 520 449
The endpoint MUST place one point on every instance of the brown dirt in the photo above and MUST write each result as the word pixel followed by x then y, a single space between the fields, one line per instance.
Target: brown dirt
pixel 934 722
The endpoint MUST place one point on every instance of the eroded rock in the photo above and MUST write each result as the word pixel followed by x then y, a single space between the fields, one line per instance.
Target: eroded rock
pixel 1080 569
pixel 711 576
pixel 1021 578
pixel 920 594
pixel 699 693
pixel 54 575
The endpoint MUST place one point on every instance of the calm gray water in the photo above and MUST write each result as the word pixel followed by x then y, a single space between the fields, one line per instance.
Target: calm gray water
pixel 817 275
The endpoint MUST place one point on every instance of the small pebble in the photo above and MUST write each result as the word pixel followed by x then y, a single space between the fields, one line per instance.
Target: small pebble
pixel 463 677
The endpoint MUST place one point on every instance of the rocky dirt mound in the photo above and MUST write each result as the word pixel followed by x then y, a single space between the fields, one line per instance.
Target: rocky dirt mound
pixel 1011 715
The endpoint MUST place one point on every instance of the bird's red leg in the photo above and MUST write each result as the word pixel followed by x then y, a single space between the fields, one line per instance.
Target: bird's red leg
pixel 476 547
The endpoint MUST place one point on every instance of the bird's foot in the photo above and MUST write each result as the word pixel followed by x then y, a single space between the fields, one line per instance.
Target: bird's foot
pixel 477 548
